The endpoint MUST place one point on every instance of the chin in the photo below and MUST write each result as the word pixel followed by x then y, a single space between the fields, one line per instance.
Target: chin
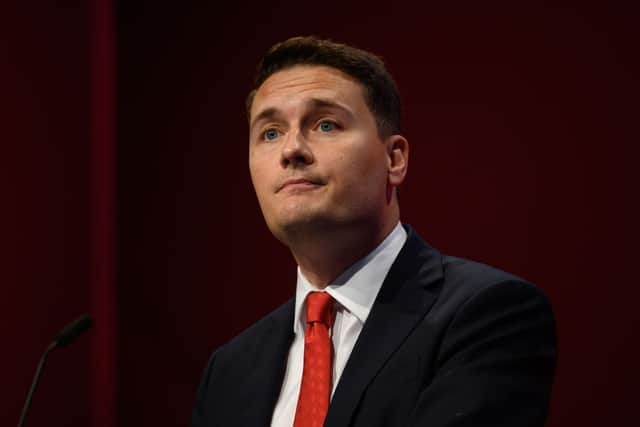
pixel 303 225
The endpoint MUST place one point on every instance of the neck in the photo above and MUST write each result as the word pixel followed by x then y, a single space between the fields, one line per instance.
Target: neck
pixel 323 257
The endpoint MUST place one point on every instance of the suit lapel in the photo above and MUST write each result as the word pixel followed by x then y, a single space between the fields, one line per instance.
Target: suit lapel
pixel 408 292
pixel 269 364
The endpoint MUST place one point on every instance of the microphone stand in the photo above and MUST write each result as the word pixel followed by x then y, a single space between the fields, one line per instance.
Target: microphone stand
pixel 34 383
pixel 64 338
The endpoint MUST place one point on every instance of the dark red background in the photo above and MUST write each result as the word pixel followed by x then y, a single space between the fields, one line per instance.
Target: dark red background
pixel 523 128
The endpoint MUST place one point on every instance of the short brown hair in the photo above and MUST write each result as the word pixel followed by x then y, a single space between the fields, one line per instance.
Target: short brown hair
pixel 381 92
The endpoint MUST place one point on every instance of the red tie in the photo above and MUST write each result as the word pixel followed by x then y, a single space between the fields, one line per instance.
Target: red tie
pixel 315 389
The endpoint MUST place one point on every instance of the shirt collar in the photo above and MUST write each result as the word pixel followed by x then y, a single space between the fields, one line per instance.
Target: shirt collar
pixel 357 287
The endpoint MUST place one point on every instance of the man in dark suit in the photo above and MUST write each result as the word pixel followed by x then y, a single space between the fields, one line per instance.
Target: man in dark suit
pixel 383 330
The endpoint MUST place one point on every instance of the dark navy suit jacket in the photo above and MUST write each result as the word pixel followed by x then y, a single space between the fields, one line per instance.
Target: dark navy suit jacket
pixel 448 342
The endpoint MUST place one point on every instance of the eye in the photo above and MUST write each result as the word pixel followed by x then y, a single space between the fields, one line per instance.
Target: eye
pixel 327 126
pixel 270 134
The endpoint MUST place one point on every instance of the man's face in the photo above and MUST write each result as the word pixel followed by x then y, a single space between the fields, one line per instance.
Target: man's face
pixel 315 156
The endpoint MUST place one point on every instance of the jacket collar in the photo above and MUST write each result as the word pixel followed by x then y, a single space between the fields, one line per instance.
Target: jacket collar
pixel 407 294
pixel 357 287
pixel 264 379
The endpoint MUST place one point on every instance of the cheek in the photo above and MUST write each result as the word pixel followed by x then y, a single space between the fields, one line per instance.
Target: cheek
pixel 367 166
pixel 361 175
pixel 259 179
pixel 262 166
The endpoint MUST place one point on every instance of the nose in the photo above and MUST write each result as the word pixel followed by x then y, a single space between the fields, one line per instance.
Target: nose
pixel 296 151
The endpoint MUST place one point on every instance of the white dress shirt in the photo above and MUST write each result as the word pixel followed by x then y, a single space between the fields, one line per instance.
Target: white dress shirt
pixel 354 291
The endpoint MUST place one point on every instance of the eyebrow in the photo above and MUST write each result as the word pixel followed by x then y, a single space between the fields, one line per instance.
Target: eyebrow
pixel 265 114
pixel 318 103
pixel 314 103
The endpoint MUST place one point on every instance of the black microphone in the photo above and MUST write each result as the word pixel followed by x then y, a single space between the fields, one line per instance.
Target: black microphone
pixel 63 339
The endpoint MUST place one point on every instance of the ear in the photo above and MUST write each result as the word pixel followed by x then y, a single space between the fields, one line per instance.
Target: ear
pixel 398 158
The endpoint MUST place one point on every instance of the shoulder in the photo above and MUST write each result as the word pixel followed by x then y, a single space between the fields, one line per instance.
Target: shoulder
pixel 241 351
pixel 465 280
pixel 225 382
pixel 461 283
pixel 466 277
pixel 480 305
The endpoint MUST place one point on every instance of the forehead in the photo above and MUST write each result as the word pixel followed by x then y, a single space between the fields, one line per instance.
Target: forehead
pixel 294 86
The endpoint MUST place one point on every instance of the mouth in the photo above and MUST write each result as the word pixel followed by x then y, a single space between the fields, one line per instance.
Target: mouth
pixel 299 184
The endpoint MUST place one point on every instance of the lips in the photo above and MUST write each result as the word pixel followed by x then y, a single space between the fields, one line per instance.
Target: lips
pixel 299 184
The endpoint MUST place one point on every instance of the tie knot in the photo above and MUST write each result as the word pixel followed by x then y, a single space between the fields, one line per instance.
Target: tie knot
pixel 319 308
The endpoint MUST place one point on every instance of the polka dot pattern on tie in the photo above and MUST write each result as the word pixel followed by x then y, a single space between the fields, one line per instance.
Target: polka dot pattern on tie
pixel 313 402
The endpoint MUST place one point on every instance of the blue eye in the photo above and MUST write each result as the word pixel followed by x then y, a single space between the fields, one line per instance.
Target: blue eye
pixel 270 134
pixel 327 126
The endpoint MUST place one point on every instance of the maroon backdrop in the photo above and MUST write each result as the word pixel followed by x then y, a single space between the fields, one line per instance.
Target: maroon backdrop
pixel 56 222
pixel 44 217
pixel 522 125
